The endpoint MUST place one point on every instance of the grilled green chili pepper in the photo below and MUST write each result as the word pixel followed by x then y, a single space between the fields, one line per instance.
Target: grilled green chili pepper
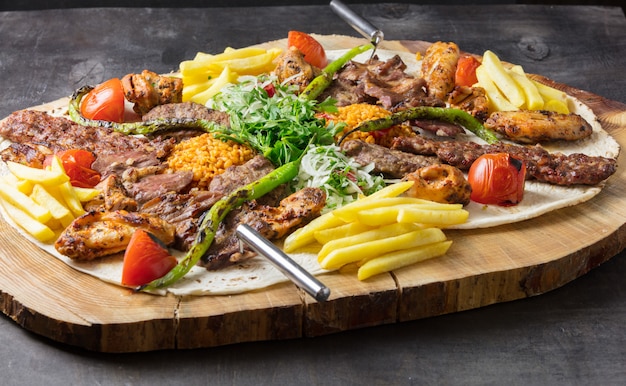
pixel 322 81
pixel 136 127
pixel 209 225
pixel 455 116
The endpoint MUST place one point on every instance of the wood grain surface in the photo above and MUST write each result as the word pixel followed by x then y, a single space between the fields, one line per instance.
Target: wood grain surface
pixel 483 267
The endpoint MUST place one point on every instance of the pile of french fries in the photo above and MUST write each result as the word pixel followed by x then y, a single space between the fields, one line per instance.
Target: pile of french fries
pixel 207 74
pixel 379 233
pixel 42 201
pixel 510 89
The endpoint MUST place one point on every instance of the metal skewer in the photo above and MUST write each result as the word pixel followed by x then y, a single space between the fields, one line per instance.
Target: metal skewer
pixel 284 263
pixel 359 23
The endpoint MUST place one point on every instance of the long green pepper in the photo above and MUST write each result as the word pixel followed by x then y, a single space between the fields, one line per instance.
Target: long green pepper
pixel 212 219
pixel 449 115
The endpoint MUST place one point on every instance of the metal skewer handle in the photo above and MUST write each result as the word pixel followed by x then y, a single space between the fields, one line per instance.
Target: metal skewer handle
pixel 357 22
pixel 284 263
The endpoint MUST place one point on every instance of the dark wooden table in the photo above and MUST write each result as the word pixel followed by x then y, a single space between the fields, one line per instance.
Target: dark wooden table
pixel 572 335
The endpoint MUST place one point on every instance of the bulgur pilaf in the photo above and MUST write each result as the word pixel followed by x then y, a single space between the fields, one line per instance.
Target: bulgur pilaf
pixel 207 157
pixel 354 115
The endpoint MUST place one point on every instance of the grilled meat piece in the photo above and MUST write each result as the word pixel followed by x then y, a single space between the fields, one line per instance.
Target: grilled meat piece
pixel 532 126
pixel 187 110
pixel 58 134
pixel 294 70
pixel 541 165
pixel 440 128
pixel 391 163
pixel 439 68
pixel 240 175
pixel 149 89
pixel 98 234
pixel 26 154
pixel 271 222
pixel 472 100
pixel 440 183
pixel 113 197
pixel 145 187
pixel 183 211
pixel 379 82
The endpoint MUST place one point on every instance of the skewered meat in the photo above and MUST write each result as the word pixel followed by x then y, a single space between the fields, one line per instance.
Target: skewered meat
pixel 471 100
pixel 439 68
pixel 271 222
pixel 294 70
pixel 149 89
pixel 552 168
pixel 97 234
pixel 534 126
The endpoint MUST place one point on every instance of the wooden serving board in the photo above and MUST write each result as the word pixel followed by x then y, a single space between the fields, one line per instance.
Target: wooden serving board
pixel 483 267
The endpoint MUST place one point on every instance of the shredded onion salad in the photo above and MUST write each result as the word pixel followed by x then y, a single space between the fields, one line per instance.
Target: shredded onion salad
pixel 343 180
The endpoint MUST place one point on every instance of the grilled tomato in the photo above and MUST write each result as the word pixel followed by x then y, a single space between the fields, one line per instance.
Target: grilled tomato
pixel 313 51
pixel 105 102
pixel 497 179
pixel 145 259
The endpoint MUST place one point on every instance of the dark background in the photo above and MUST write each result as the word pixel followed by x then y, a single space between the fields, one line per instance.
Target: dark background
pixel 8 5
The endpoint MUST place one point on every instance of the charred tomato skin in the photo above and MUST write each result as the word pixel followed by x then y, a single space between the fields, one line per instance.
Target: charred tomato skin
pixel 497 179
pixel 465 74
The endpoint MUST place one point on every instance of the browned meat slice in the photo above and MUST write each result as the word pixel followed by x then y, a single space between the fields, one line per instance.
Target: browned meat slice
pixel 26 154
pixel 149 89
pixel 391 163
pixel 292 69
pixel 58 134
pixel 97 234
pixel 183 211
pixel 379 82
pixel 187 110
pixel 531 126
pixel 552 168
pixel 147 187
pixel 439 68
pixel 118 163
pixel 271 222
pixel 440 128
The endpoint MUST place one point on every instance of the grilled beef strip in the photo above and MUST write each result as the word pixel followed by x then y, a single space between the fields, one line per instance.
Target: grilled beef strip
pixel 541 165
pixel 390 163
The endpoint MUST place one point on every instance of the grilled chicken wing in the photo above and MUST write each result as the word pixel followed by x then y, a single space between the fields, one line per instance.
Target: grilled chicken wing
pixel 471 100
pixel 148 89
pixel 526 126
pixel 97 234
pixel 439 68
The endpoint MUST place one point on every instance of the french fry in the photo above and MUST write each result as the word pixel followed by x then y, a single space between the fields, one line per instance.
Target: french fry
pixel 351 211
pixel 71 199
pixel 24 186
pixel 402 258
pixel 57 209
pixel 497 101
pixel 432 217
pixel 534 100
pixel 86 194
pixel 226 77
pixel 501 78
pixel 380 246
pixel 306 235
pixel 34 227
pixel 324 236
pixel 42 176
pixel 556 106
pixel 392 230
pixel 21 201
